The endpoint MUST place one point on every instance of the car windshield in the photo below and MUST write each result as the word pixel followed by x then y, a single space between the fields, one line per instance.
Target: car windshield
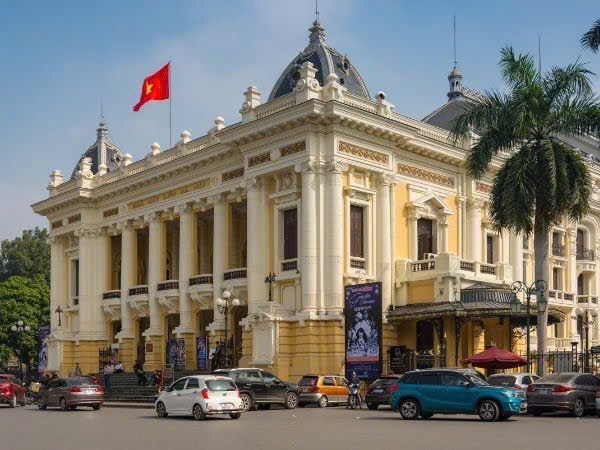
pixel 475 379
pixel 220 385
pixel 4 380
pixel 308 381
pixel 502 380
pixel 556 378
pixel 80 381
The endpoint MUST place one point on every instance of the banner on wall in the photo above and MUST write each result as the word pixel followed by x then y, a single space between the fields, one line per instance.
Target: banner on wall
pixel 202 353
pixel 43 333
pixel 176 352
pixel 363 316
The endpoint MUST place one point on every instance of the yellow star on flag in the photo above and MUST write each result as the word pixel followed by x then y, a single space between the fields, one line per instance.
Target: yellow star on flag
pixel 149 88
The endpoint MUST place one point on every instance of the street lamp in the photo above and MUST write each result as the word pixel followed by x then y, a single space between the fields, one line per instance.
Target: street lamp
pixel 270 279
pixel 59 311
pixel 584 315
pixel 224 305
pixel 20 328
pixel 538 286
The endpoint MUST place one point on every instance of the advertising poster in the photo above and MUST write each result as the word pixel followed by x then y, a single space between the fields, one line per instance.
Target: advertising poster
pixel 202 353
pixel 181 356
pixel 363 313
pixel 43 333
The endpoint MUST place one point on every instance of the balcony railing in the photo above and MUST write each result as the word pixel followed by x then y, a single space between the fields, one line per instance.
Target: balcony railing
pixel 138 290
pixel 167 285
pixel 585 254
pixel 111 294
pixel 468 266
pixel 488 269
pixel 420 266
pixel 289 265
pixel 201 279
pixel 588 299
pixel 235 274
pixel 558 250
pixel 357 263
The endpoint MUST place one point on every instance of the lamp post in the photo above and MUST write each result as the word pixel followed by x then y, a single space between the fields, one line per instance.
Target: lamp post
pixel 19 328
pixel 538 286
pixel 59 311
pixel 224 305
pixel 586 321
pixel 269 279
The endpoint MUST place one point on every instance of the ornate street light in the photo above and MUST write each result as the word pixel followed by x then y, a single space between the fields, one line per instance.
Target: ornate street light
pixel 539 286
pixel 59 311
pixel 224 305
pixel 270 279
pixel 588 318
pixel 20 327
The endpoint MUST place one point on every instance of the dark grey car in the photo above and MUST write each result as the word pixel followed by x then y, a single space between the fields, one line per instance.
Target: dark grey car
pixel 567 391
pixel 71 392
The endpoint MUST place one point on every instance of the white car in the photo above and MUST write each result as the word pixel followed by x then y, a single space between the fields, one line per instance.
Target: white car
pixel 200 396
pixel 517 380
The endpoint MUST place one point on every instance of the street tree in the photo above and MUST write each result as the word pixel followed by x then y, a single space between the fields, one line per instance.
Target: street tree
pixel 26 255
pixel 591 39
pixel 541 180
pixel 26 299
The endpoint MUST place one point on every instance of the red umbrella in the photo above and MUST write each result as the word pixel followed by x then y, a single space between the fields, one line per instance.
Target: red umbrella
pixel 495 358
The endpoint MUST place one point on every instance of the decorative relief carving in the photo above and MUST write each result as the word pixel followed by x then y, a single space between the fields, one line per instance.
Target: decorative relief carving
pixel 74 219
pixel 232 174
pixel 363 153
pixel 259 159
pixel 110 212
pixel 483 187
pixel 170 194
pixel 56 224
pixel 334 166
pixel 288 150
pixel 426 175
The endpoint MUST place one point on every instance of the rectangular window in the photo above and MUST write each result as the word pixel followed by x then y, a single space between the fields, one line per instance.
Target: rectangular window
pixel 357 231
pixel 75 278
pixel 580 285
pixel 580 243
pixel 525 272
pixel 424 237
pixel 526 242
pixel 556 279
pixel 490 249
pixel 290 234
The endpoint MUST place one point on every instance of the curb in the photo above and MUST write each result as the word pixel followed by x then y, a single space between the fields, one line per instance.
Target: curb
pixel 128 405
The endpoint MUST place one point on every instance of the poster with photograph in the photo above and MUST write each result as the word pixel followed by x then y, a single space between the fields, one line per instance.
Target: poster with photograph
pixel 176 352
pixel 202 353
pixel 363 312
pixel 43 333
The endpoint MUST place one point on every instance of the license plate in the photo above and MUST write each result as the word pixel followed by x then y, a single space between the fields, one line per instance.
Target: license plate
pixel 226 405
pixel 545 391
pixel 90 391
pixel 377 391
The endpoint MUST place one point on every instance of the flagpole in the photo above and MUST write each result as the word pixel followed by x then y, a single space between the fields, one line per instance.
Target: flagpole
pixel 170 116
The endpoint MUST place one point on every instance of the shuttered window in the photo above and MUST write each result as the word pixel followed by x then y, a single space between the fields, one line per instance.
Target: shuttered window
pixel 290 234
pixel 356 231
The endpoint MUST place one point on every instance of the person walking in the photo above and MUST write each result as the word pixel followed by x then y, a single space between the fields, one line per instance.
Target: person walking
pixel 139 373
pixel 78 372
pixel 106 372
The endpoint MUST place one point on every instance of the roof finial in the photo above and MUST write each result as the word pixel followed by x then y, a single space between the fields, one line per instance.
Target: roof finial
pixel 101 112
pixel 454 32
pixel 316 10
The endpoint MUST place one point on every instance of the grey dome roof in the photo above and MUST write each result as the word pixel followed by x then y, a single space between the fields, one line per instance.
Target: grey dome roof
pixel 102 146
pixel 326 60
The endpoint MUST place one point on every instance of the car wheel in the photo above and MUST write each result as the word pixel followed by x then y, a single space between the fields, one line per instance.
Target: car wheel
pixel 41 406
pixel 488 411
pixel 235 415
pixel 323 401
pixel 409 409
pixel 161 410
pixel 291 400
pixel 426 415
pixel 198 413
pixel 63 404
pixel 13 402
pixel 96 407
pixel 372 406
pixel 578 408
pixel 246 402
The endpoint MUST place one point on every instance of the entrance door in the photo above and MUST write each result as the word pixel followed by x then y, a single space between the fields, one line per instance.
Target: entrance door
pixel 240 312
pixel 424 336
pixel 143 325
pixel 424 237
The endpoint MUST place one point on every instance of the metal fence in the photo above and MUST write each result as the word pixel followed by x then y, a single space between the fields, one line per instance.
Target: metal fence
pixel 412 361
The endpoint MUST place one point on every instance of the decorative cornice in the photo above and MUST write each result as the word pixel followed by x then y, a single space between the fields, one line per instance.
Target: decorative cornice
pixel 206 182
pixel 232 174
pixel 426 175
pixel 296 147
pixel 483 187
pixel 259 159
pixel 362 153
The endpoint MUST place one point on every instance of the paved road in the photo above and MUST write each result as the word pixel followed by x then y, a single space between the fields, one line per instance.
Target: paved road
pixel 278 429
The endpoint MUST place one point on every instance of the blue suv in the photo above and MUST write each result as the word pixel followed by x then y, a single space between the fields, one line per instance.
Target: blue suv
pixel 428 392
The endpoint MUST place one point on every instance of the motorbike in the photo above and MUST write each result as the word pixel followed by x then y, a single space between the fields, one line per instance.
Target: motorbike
pixel 354 396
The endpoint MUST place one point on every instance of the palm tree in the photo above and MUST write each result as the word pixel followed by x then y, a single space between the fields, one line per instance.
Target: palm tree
pixel 591 39
pixel 542 180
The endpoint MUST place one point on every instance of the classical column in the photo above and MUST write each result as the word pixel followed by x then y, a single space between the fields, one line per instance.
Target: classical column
pixel 86 281
pixel 413 234
pixel 102 281
pixel 334 237
pixel 220 233
pixel 309 259
pixel 516 255
pixel 572 258
pixel 58 293
pixel 443 233
pixel 187 257
pixel 474 240
pixel 203 260
pixel 128 276
pixel 156 262
pixel 258 251
pixel 384 242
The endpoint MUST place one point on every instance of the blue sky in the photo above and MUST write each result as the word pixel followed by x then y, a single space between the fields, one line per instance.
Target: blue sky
pixel 59 59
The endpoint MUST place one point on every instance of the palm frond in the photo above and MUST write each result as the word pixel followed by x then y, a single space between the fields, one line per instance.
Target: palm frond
pixel 565 82
pixel 517 70
pixel 591 39
pixel 578 116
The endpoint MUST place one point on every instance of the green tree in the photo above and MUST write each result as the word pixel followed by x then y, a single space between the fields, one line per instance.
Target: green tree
pixel 27 256
pixel 542 180
pixel 26 299
pixel 591 39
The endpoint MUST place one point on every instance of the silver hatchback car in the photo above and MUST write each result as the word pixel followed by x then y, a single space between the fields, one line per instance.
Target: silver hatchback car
pixel 567 391
pixel 517 380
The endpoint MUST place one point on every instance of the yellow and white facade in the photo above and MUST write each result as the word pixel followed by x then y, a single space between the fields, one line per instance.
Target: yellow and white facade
pixel 320 185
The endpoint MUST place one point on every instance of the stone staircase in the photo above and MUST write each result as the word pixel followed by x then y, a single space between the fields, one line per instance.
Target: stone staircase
pixel 124 388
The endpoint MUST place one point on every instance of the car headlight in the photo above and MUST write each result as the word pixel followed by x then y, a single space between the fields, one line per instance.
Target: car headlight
pixel 515 394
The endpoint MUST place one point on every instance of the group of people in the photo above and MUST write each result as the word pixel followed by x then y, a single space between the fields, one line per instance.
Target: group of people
pixel 156 379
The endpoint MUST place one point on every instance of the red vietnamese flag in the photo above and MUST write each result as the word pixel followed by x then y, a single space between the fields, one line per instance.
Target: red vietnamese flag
pixel 155 87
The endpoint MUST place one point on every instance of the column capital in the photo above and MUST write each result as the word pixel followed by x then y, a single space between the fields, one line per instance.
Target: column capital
pixel 218 199
pixel 184 209
pixel 154 216
pixel 125 226
pixel 475 203
pixel 335 166
pixel 385 180
pixel 254 184
pixel 310 166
